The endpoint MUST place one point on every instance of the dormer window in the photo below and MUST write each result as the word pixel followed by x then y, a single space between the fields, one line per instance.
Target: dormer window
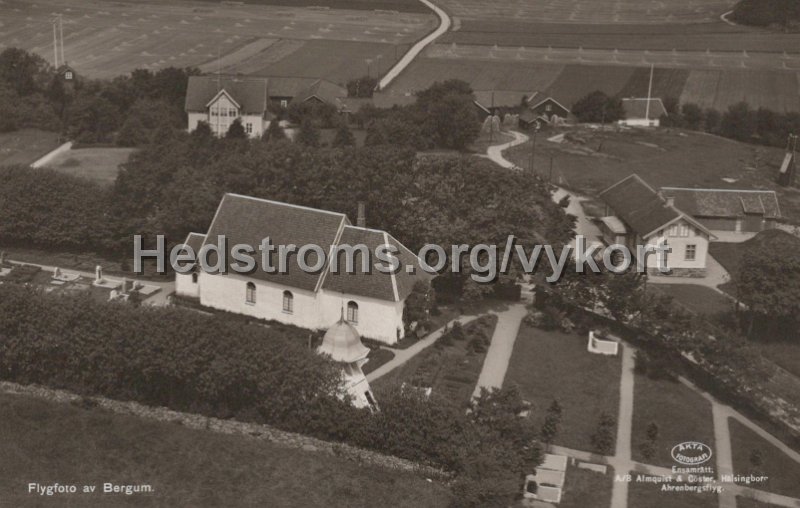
pixel 68 75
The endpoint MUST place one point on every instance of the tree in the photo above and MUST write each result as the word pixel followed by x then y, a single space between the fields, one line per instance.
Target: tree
pixel 236 130
pixel 768 284
pixel 648 447
pixel 91 119
pixel 552 422
pixel 308 134
pixel 418 303
pixel 447 110
pixel 712 120
pixel 603 438
pixel 692 116
pixel 274 132
pixel 343 136
pixel 362 87
pixel 739 122
pixel 598 107
pixel 25 72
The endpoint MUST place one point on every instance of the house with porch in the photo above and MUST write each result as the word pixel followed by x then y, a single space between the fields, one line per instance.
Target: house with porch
pixel 370 300
pixel 639 215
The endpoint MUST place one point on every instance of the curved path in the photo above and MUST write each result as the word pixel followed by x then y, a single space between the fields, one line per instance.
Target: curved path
pixel 416 49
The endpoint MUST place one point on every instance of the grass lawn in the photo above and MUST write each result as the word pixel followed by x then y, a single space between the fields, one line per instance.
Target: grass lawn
pixel 593 160
pixel 746 502
pixel 584 488
pixel 98 164
pixel 26 146
pixel 783 472
pixel 552 365
pixel 649 495
pixel 48 442
pixel 450 367
pixel 681 414
pixel 377 357
pixel 695 298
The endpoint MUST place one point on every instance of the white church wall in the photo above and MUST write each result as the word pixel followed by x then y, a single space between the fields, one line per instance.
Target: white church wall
pixel 377 319
pixel 184 286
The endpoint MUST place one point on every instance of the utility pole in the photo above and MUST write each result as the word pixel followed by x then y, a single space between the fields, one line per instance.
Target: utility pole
pixel 61 35
pixel 649 94
pixel 55 42
pixel 533 147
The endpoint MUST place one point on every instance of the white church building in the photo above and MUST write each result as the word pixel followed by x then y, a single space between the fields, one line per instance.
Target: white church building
pixel 371 301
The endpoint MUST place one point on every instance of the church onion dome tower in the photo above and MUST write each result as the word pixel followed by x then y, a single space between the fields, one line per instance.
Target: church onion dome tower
pixel 343 343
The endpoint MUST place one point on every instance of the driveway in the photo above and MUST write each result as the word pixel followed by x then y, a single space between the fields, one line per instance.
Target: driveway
pixel 505 333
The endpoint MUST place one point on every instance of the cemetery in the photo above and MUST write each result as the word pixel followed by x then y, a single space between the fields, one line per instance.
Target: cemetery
pixel 69 282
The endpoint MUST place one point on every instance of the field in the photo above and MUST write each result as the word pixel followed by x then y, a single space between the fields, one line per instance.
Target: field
pixel 552 365
pixel 593 11
pixel 745 502
pixel 391 5
pixel 105 39
pixel 714 37
pixel 681 414
pixel 98 164
pixel 783 472
pixel 665 157
pixel 25 146
pixel 185 467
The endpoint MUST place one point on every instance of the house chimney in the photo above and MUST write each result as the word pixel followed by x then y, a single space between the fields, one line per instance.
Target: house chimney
pixel 670 200
pixel 361 221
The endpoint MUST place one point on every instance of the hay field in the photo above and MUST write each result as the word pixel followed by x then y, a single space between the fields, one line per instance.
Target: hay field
pixel 690 37
pixel 482 75
pixel 104 39
pixel 593 11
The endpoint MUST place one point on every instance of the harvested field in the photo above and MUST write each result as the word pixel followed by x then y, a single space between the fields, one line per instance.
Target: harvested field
pixel 369 5
pixel 593 11
pixel 666 83
pixel 482 75
pixel 575 81
pixel 337 61
pixel 712 36
pixel 105 39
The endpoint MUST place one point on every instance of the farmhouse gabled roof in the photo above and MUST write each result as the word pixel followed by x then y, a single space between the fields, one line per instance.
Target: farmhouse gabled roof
pixel 288 86
pixel 636 108
pixel 642 208
pixel 725 203
pixel 195 241
pixel 250 93
pixel 323 90
pixel 538 98
pixel 248 220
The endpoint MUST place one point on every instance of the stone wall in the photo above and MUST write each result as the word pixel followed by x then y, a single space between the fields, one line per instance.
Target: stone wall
pixel 246 430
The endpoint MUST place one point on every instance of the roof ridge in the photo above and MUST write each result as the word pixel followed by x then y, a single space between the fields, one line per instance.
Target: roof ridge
pixel 283 203
pixel 761 191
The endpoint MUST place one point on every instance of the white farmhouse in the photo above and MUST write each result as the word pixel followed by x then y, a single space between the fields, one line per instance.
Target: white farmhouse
pixel 643 216
pixel 371 301
pixel 219 101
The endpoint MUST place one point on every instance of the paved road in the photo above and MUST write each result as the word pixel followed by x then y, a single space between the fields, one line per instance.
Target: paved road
pixel 416 49
pixel 505 335
pixel 619 492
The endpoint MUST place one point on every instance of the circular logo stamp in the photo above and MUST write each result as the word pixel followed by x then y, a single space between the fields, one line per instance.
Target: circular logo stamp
pixel 691 453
